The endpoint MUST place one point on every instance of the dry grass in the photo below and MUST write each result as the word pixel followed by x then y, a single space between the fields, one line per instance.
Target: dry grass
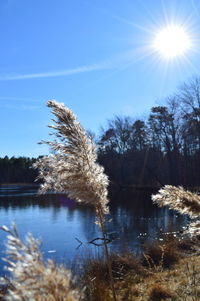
pixel 161 256
pixel 31 277
pixel 133 281
pixel 159 292
pixel 174 275
pixel 122 264
pixel 181 282
pixel 95 278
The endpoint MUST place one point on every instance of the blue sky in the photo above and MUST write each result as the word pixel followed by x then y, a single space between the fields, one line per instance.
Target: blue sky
pixel 95 56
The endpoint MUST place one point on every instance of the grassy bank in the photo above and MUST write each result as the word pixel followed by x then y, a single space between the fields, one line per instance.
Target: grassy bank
pixel 170 271
pixel 180 282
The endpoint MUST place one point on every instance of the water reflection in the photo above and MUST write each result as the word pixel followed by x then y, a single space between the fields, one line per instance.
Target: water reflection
pixel 59 221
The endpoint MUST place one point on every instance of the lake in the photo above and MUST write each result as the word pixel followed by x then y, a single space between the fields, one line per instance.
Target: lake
pixel 67 228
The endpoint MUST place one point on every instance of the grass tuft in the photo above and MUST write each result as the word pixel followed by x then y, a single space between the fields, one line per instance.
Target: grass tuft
pixel 159 292
pixel 162 255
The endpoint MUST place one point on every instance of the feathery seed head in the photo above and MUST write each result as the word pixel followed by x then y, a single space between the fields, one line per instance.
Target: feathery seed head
pixel 73 167
pixel 32 278
pixel 177 198
pixel 183 201
pixel 194 228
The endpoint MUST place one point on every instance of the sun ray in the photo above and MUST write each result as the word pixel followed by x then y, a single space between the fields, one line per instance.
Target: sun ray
pixel 166 15
pixel 192 66
pixel 151 17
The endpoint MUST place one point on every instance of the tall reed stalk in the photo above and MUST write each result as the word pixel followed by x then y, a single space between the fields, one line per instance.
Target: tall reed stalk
pixel 72 168
pixel 101 222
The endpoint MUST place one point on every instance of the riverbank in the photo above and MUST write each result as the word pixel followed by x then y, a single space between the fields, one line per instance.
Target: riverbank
pixel 181 282
pixel 167 271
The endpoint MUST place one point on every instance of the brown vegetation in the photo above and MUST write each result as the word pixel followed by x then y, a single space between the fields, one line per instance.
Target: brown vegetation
pixel 172 273
pixel 156 275
pixel 159 292
pixel 180 282
pixel 161 255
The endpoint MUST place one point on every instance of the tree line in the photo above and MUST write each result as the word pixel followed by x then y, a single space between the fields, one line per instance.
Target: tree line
pixel 163 148
pixel 17 170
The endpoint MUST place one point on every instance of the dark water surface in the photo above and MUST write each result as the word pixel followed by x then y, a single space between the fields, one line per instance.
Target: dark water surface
pixel 59 222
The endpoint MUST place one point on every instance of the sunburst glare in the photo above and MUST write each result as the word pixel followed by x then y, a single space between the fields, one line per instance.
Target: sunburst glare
pixel 172 41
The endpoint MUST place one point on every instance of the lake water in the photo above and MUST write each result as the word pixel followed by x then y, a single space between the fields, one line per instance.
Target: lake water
pixel 61 223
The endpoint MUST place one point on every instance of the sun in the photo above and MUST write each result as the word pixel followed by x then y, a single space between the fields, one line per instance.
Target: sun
pixel 171 42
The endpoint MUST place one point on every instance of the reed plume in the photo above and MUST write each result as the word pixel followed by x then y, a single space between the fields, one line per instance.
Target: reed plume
pixel 72 168
pixel 184 201
pixel 32 279
pixel 177 198
pixel 194 228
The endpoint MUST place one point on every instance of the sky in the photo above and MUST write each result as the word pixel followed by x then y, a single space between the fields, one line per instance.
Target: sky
pixel 94 56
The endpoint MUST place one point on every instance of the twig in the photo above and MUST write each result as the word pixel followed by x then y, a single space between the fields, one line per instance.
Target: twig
pixel 99 244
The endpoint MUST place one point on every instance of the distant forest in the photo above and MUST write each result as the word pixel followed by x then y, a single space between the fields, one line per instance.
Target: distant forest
pixel 163 148
pixel 17 170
